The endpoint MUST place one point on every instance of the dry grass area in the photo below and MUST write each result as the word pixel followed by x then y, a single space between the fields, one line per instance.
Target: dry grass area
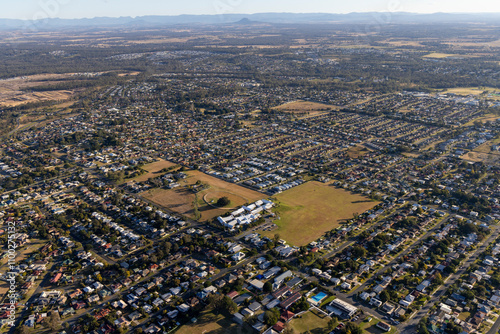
pixel 22 254
pixel 357 151
pixel 312 321
pixel 439 55
pixel 211 198
pixel 181 199
pixel 483 119
pixel 486 147
pixel 308 211
pixel 471 90
pixel 486 158
pixel 162 40
pixel 304 107
pixel 4 288
pixel 153 170
pixel 399 42
pixel 25 252
pixel 12 90
pixel 129 74
pixel 208 322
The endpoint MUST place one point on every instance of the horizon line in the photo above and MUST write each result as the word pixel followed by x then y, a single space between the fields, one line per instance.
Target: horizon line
pixel 257 13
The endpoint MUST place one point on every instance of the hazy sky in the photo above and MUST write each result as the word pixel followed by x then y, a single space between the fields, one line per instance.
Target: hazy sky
pixel 38 9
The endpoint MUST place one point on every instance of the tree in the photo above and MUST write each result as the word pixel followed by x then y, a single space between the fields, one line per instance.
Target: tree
pixel 438 279
pixel 197 213
pixel 223 304
pixel 288 329
pixel 332 324
pixel 271 317
pixel 24 330
pixel 358 251
pixel 228 305
pixel 53 321
pixel 422 326
pixel 276 238
pixel 223 201
pixel 384 296
pixel 351 328
pixel 481 290
pixel 268 287
pixel 451 328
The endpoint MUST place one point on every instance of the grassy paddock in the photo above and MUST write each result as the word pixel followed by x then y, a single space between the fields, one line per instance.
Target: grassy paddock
pixel 306 212
pixel 181 199
pixel 445 55
pixel 301 107
pixel 312 321
pixel 208 322
pixel 153 170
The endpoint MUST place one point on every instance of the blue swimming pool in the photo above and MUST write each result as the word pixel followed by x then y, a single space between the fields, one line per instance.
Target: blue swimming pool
pixel 319 297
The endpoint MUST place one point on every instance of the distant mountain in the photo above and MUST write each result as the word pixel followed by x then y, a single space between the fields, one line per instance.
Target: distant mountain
pixel 285 18
pixel 245 21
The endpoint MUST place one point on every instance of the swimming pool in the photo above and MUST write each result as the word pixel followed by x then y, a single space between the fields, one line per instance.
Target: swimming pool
pixel 319 297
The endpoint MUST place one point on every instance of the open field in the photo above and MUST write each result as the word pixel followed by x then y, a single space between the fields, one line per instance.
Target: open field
pixel 16 91
pixel 208 322
pixel 22 254
pixel 481 157
pixel 309 210
pixel 468 42
pixel 445 55
pixel 473 91
pixel 21 98
pixel 494 44
pixel 181 199
pixel 313 322
pixel 153 169
pixel 439 55
pixel 12 91
pixel 464 316
pixel 484 119
pixel 131 74
pixel 486 147
pixel 302 107
pixel 402 42
pixel 357 151
pixel 465 91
